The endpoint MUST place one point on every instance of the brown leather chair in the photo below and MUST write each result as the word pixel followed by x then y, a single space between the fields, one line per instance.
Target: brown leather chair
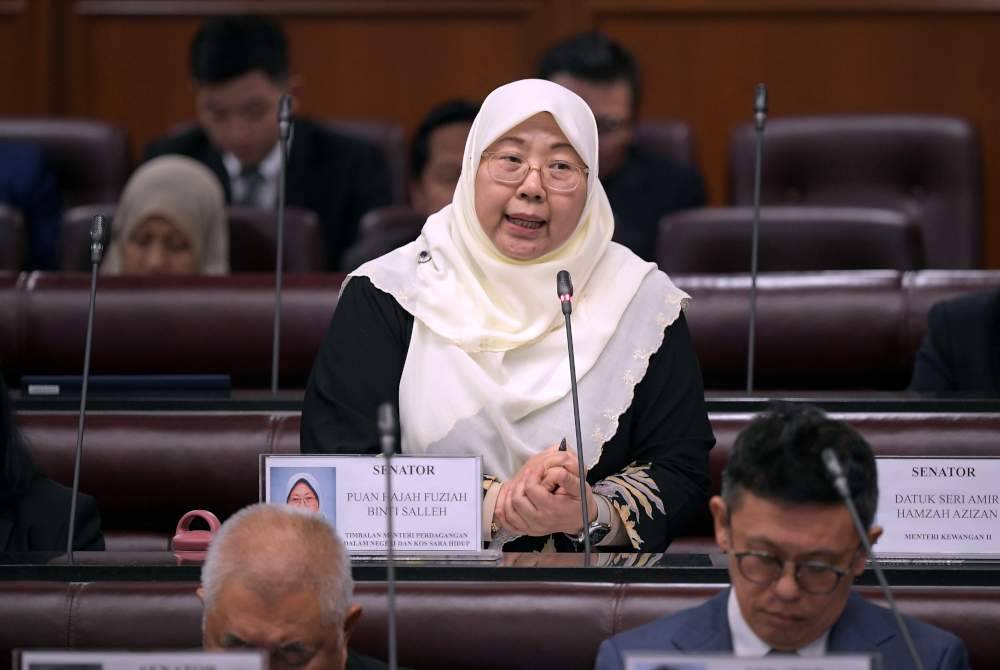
pixel 90 158
pixel 252 239
pixel 177 324
pixel 927 166
pixel 670 137
pixel 797 317
pixel 382 230
pixel 10 324
pixel 147 471
pixel 528 624
pixel 388 137
pixel 13 238
pixel 792 239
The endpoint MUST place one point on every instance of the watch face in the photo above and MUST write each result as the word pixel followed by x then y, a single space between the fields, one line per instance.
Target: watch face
pixel 598 531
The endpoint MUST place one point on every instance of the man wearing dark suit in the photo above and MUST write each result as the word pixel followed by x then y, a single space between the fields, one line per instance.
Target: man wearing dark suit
pixel 642 185
pixel 240 70
pixel 29 185
pixel 793 553
pixel 961 349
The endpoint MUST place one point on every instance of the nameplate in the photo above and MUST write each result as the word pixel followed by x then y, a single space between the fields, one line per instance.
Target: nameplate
pixel 151 660
pixel 436 501
pixel 653 661
pixel 939 506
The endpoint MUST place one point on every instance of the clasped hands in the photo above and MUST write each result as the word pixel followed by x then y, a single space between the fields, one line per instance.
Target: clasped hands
pixel 544 496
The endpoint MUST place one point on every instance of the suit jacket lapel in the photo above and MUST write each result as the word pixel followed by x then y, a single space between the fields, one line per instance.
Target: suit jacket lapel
pixel 710 630
pixel 858 631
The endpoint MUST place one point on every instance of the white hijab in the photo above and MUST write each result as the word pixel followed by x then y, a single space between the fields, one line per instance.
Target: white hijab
pixel 487 370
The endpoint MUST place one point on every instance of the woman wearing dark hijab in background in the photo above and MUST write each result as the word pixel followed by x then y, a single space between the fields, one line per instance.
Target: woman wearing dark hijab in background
pixel 34 510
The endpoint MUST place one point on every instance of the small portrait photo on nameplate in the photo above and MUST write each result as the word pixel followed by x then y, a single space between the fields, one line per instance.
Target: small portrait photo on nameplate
pixel 677 661
pixel 939 507
pixel 145 660
pixel 436 501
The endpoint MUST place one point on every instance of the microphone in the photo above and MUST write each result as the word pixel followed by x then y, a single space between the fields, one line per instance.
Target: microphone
pixel 387 437
pixel 759 116
pixel 285 132
pixel 564 289
pixel 98 237
pixel 836 472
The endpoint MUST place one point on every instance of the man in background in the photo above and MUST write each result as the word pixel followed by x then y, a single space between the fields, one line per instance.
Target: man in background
pixel 28 184
pixel 793 553
pixel 240 69
pixel 436 154
pixel 277 578
pixel 642 185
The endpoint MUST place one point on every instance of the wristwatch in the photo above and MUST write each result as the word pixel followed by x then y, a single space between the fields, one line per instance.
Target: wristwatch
pixel 599 528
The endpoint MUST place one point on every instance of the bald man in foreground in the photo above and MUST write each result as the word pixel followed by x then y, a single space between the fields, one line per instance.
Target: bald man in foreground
pixel 277 578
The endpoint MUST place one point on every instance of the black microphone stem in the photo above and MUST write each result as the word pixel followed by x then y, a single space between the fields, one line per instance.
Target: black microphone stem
pixel 97 234
pixel 836 472
pixel 284 142
pixel 579 440
pixel 760 115
pixel 387 428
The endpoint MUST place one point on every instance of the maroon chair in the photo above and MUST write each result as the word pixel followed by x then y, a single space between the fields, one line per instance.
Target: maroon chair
pixel 90 158
pixel 927 166
pixel 252 239
pixel 13 238
pixel 177 324
pixel 669 137
pixel 388 137
pixel 382 230
pixel 792 239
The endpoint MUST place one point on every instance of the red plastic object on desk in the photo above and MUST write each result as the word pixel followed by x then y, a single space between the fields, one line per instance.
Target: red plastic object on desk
pixel 192 544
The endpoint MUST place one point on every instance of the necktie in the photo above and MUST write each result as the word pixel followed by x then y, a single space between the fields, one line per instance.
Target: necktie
pixel 253 181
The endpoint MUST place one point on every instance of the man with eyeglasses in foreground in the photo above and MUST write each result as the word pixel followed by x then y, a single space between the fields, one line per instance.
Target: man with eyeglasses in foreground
pixel 793 553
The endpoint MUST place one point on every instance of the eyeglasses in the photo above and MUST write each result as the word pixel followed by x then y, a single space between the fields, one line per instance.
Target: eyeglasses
pixel 511 168
pixel 814 577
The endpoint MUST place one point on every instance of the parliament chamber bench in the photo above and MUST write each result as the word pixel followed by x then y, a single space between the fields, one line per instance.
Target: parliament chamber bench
pixel 148 469
pixel 825 331
pixel 481 625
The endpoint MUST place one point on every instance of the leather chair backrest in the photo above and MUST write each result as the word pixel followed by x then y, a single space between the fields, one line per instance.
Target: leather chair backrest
pixel 147 470
pixel 791 239
pixel 252 239
pixel 195 325
pixel 551 625
pixel 799 316
pixel 382 230
pixel 927 166
pixel 388 137
pixel 13 238
pixel 90 158
pixel 670 137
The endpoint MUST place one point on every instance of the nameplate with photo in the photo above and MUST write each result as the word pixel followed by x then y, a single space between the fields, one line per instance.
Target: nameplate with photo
pixel 675 661
pixel 947 507
pixel 436 501
pixel 147 660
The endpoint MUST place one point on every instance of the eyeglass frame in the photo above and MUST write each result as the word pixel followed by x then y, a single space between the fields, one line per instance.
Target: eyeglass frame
pixel 582 170
pixel 840 572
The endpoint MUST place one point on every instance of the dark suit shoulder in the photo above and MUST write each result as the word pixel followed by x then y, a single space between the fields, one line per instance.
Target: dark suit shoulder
pixel 690 627
pixel 191 142
pixel 879 622
pixel 320 139
pixel 969 309
pixel 43 512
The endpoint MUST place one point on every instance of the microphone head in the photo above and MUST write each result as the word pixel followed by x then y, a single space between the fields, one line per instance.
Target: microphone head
pixel 564 285
pixel 836 471
pixel 98 234
pixel 387 425
pixel 760 99
pixel 285 107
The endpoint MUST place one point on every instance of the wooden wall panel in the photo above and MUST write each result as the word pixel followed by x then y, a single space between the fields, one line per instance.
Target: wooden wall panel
pixel 702 66
pixel 125 61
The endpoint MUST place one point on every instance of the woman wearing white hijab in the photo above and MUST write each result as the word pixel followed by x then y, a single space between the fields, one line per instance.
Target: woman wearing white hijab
pixel 463 330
